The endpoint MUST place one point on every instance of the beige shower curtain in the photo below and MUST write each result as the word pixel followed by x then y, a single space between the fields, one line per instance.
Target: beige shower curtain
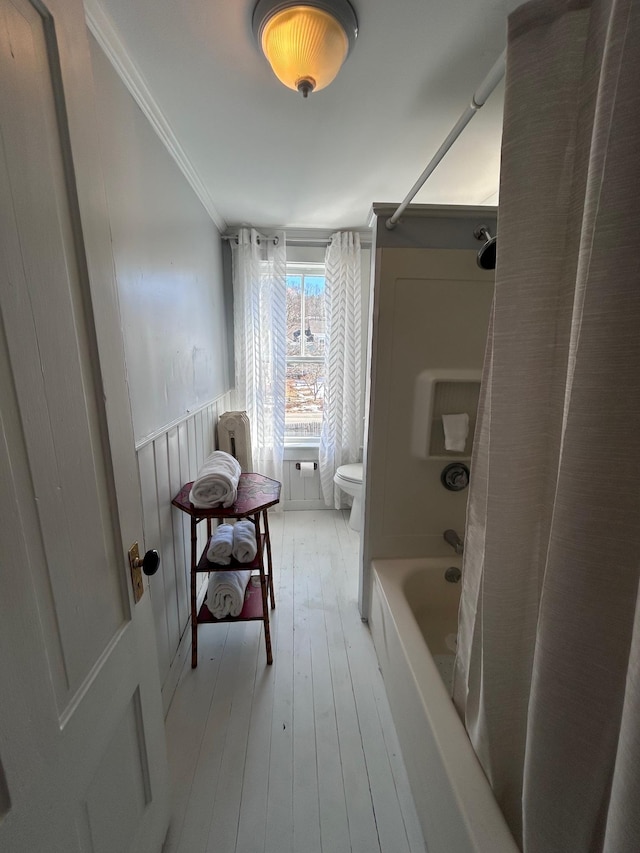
pixel 548 669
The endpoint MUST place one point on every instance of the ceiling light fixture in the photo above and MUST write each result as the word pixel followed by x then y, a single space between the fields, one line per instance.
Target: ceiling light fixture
pixel 306 41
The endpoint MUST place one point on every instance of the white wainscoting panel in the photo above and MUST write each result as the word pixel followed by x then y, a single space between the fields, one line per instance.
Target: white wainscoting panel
pixel 300 492
pixel 165 463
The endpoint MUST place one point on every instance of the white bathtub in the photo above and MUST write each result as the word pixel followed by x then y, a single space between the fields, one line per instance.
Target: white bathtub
pixel 413 620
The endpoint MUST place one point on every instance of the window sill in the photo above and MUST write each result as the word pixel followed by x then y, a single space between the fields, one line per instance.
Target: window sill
pixel 301 450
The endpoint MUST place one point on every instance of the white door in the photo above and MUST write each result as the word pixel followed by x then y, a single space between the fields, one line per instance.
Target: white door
pixel 82 753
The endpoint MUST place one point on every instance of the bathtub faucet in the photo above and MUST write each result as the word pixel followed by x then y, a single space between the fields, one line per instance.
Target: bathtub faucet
pixel 454 540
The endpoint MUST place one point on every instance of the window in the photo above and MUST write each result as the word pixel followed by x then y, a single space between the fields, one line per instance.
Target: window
pixel 305 351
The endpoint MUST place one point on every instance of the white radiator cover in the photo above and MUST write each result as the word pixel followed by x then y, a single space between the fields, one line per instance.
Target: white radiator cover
pixel 234 437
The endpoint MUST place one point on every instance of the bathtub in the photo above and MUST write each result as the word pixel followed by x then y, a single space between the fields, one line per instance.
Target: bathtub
pixel 413 622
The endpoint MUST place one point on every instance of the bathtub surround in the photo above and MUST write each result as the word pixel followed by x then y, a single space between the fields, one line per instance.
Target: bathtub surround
pixel 340 439
pixel 549 643
pixel 429 312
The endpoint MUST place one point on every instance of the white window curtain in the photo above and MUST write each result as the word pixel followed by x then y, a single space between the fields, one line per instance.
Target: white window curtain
pixel 341 434
pixel 547 674
pixel 259 307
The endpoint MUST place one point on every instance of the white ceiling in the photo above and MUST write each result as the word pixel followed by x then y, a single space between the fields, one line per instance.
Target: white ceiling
pixel 259 154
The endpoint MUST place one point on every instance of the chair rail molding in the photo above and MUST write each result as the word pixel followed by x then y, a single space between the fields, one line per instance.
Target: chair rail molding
pixel 223 400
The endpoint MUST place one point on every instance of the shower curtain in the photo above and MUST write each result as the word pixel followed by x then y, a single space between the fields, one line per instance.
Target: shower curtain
pixel 259 305
pixel 547 674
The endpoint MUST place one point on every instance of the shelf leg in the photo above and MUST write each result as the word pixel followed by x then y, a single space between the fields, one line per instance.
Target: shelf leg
pixel 194 603
pixel 267 539
pixel 263 590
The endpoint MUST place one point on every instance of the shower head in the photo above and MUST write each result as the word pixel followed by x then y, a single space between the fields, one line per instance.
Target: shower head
pixel 487 255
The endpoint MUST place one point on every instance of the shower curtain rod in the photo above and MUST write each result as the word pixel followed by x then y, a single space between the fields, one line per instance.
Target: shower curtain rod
pixel 260 237
pixel 478 100
pixel 289 239
pixel 306 238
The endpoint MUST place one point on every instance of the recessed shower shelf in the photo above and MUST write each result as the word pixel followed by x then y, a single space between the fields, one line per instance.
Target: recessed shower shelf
pixel 437 393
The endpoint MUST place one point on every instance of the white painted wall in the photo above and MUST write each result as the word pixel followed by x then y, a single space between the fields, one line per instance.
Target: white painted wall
pixel 168 262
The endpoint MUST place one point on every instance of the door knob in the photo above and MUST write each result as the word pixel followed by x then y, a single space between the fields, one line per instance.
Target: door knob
pixel 149 565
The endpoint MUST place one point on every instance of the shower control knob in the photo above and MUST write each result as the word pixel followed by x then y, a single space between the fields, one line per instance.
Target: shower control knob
pixel 455 477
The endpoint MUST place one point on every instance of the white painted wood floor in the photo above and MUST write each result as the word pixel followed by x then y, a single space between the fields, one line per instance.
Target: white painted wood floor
pixel 302 756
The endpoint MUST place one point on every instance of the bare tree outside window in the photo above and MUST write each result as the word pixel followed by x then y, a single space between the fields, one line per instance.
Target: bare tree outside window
pixel 305 350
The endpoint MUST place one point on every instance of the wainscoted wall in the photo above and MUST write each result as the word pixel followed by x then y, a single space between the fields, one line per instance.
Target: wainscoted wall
pixel 165 462
pixel 300 492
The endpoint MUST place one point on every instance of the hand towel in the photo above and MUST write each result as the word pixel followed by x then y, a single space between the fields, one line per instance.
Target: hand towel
pixel 244 541
pixel 456 430
pixel 217 481
pixel 225 593
pixel 221 544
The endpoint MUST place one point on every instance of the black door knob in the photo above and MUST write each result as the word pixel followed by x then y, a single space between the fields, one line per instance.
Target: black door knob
pixel 150 562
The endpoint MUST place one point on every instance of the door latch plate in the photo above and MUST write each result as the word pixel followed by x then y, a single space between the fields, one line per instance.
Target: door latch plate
pixel 136 572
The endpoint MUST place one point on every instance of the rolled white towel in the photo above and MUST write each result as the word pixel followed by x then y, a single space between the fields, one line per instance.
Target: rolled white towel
pixel 221 544
pixel 217 481
pixel 244 541
pixel 456 430
pixel 225 593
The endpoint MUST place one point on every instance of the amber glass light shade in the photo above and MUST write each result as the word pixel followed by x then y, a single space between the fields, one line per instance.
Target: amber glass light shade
pixel 305 46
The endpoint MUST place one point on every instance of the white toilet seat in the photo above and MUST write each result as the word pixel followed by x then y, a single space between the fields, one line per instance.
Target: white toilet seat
pixel 351 473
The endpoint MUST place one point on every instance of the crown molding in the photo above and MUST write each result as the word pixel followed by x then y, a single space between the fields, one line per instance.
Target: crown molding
pixel 107 37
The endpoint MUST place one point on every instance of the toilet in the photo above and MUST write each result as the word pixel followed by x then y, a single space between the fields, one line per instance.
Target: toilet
pixel 349 479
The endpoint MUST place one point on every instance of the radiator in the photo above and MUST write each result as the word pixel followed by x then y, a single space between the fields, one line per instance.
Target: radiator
pixel 234 437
